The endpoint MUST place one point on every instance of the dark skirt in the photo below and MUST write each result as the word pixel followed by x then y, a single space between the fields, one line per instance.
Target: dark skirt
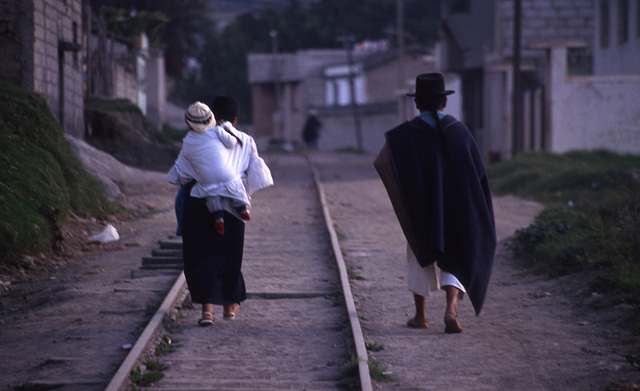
pixel 212 262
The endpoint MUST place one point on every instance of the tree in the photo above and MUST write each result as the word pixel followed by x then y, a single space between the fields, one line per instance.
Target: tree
pixel 178 26
pixel 223 54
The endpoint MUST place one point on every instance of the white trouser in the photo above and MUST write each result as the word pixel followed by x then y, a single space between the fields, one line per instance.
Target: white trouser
pixel 424 280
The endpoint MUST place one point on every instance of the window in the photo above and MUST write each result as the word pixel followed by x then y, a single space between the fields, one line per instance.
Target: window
pixel 460 6
pixel 580 61
pixel 337 92
pixel 637 18
pixel 338 85
pixel 623 21
pixel 604 23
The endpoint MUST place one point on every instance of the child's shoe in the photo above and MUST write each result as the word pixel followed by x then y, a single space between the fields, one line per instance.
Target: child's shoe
pixel 219 225
pixel 244 213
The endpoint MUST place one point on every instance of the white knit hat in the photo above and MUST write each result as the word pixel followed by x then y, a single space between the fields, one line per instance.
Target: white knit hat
pixel 199 117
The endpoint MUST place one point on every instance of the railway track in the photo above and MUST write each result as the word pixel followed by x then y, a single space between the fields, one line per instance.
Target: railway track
pixel 299 328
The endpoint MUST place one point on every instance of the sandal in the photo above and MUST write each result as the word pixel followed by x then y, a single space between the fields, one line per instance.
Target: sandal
pixel 231 311
pixel 451 324
pixel 207 319
pixel 418 323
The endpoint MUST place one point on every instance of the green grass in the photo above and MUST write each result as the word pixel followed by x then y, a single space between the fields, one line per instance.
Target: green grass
pixel 373 347
pixel 578 176
pixel 41 179
pixel 349 378
pixel 151 374
pixel 592 217
pixel 166 345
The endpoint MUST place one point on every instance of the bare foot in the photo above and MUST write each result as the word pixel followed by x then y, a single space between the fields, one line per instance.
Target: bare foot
pixel 230 311
pixel 418 323
pixel 451 324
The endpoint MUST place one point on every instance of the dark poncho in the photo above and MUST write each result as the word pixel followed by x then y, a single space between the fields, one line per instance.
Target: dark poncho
pixel 444 191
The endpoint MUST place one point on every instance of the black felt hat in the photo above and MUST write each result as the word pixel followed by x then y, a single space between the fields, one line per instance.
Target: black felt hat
pixel 430 85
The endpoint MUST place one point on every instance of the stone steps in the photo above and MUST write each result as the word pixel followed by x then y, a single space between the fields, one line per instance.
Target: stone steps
pixel 168 256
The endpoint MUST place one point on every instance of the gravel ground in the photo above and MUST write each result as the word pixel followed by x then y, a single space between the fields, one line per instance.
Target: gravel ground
pixel 64 326
pixel 532 334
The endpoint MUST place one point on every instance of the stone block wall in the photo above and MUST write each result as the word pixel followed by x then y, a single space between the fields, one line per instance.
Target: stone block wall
pixel 34 56
pixel 544 21
pixel 16 34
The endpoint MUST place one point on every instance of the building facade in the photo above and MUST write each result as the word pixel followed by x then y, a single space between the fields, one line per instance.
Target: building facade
pixel 358 94
pixel 54 48
pixel 578 80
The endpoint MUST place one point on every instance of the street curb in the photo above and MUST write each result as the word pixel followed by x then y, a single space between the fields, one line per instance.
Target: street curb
pixel 121 377
pixel 356 329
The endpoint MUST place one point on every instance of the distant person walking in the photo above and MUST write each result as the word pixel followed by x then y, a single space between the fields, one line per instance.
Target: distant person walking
pixel 221 164
pixel 436 180
pixel 311 130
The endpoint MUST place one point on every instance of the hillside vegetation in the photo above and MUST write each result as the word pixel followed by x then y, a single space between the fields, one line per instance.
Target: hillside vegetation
pixel 592 217
pixel 41 180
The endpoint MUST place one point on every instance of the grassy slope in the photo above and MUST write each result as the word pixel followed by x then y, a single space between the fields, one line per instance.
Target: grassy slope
pixel 592 219
pixel 41 180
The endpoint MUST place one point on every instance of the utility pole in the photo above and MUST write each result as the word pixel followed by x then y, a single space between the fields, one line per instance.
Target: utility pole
pixel 347 41
pixel 275 72
pixel 516 105
pixel 402 110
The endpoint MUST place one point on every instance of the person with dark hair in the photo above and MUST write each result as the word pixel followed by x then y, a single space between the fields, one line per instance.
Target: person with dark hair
pixel 433 172
pixel 226 109
pixel 218 166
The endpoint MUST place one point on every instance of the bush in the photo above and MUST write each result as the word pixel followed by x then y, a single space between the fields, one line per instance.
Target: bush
pixel 41 179
pixel 592 220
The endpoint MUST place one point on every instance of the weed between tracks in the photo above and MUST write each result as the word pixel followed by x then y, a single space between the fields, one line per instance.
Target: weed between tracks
pixel 165 346
pixel 146 377
pixel 349 376
pixel 353 275
pixel 373 347
pixel 153 370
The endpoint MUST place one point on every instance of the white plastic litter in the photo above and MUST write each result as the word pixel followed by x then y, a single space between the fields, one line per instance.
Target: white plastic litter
pixel 109 234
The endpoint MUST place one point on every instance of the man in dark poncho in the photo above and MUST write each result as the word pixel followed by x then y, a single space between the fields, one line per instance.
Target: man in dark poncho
pixel 435 178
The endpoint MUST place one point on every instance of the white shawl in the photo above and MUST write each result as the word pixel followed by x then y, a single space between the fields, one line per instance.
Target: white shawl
pixel 223 161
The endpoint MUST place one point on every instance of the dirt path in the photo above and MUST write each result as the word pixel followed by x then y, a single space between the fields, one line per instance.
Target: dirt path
pixel 533 334
pixel 63 326
pixel 66 327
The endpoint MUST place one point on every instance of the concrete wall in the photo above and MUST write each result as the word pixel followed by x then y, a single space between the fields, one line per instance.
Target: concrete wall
pixel 125 83
pixel 156 89
pixel 592 112
pixel 339 131
pixel 35 57
pixel 543 23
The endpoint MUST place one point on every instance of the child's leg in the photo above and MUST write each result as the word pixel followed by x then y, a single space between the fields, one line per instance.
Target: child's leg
pixel 214 204
pixel 242 209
